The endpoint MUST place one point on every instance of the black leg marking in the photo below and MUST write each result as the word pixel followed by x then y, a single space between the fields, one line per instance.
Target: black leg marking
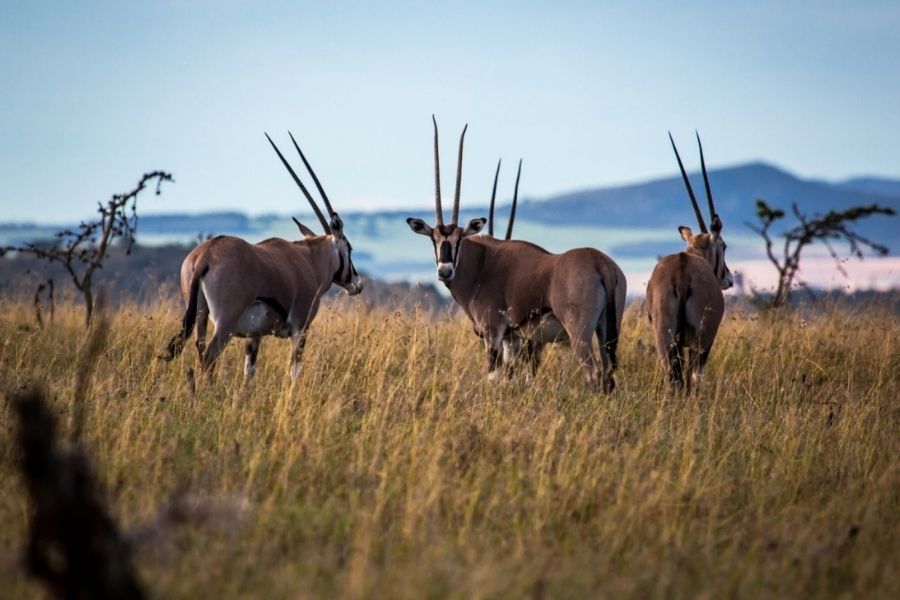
pixel 252 352
pixel 494 359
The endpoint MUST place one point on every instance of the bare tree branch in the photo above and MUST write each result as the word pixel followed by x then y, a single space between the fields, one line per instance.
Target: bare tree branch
pixel 82 251
pixel 835 225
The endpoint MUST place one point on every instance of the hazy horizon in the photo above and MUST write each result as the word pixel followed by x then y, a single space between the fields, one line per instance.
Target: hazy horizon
pixel 148 208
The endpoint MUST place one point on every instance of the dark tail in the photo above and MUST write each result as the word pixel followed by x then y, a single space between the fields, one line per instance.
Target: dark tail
pixel 176 344
pixel 676 360
pixel 611 342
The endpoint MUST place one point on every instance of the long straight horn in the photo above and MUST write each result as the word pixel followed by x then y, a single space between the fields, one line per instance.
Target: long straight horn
pixel 438 210
pixel 313 173
pixel 690 190
pixel 512 211
pixel 302 187
pixel 493 198
pixel 709 197
pixel 458 177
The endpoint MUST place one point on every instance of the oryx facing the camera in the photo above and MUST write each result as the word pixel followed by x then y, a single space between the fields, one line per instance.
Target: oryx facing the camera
pixel 509 286
pixel 270 288
pixel 685 303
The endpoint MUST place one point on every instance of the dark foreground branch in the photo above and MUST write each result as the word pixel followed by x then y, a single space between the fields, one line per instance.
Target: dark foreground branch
pixel 74 546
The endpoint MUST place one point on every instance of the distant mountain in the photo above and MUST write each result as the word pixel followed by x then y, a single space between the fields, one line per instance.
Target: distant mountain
pixel 664 202
pixel 872 185
pixel 175 223
pixel 652 205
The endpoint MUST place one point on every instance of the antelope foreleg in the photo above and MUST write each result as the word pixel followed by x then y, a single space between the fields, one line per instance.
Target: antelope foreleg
pixel 493 340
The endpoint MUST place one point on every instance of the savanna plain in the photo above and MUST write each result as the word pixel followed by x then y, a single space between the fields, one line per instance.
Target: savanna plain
pixel 392 468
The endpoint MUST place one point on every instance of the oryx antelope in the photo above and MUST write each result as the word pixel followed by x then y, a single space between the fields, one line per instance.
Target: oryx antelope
pixel 523 344
pixel 270 288
pixel 508 286
pixel 684 295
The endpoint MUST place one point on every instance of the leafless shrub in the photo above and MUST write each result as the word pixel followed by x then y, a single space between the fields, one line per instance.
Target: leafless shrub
pixel 81 251
pixel 835 225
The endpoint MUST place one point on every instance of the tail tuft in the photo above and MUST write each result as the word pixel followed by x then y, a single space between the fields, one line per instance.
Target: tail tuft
pixel 173 348
pixel 176 344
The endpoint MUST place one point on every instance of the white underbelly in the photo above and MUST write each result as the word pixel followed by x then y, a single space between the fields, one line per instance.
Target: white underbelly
pixel 260 319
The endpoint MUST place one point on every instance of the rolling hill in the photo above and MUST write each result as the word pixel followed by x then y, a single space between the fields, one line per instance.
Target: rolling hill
pixel 664 202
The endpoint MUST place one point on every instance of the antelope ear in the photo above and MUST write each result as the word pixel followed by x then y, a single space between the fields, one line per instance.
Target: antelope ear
pixel 304 230
pixel 474 226
pixel 686 234
pixel 419 226
pixel 716 225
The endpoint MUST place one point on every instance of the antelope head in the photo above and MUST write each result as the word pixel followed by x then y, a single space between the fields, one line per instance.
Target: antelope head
pixel 709 243
pixel 346 275
pixel 446 239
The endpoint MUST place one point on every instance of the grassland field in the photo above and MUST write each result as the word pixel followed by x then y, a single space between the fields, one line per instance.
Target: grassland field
pixel 393 469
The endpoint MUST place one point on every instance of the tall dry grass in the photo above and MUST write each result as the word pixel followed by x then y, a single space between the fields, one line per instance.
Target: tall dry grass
pixel 393 469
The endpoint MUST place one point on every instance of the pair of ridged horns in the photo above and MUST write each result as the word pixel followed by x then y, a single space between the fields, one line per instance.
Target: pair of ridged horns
pixel 712 207
pixel 512 211
pixel 438 209
pixel 302 187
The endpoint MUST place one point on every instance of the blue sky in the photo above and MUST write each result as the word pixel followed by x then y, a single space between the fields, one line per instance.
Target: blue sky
pixel 95 93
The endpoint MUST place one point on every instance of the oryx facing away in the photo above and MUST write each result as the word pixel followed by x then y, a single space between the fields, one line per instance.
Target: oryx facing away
pixel 270 288
pixel 508 286
pixel 684 295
